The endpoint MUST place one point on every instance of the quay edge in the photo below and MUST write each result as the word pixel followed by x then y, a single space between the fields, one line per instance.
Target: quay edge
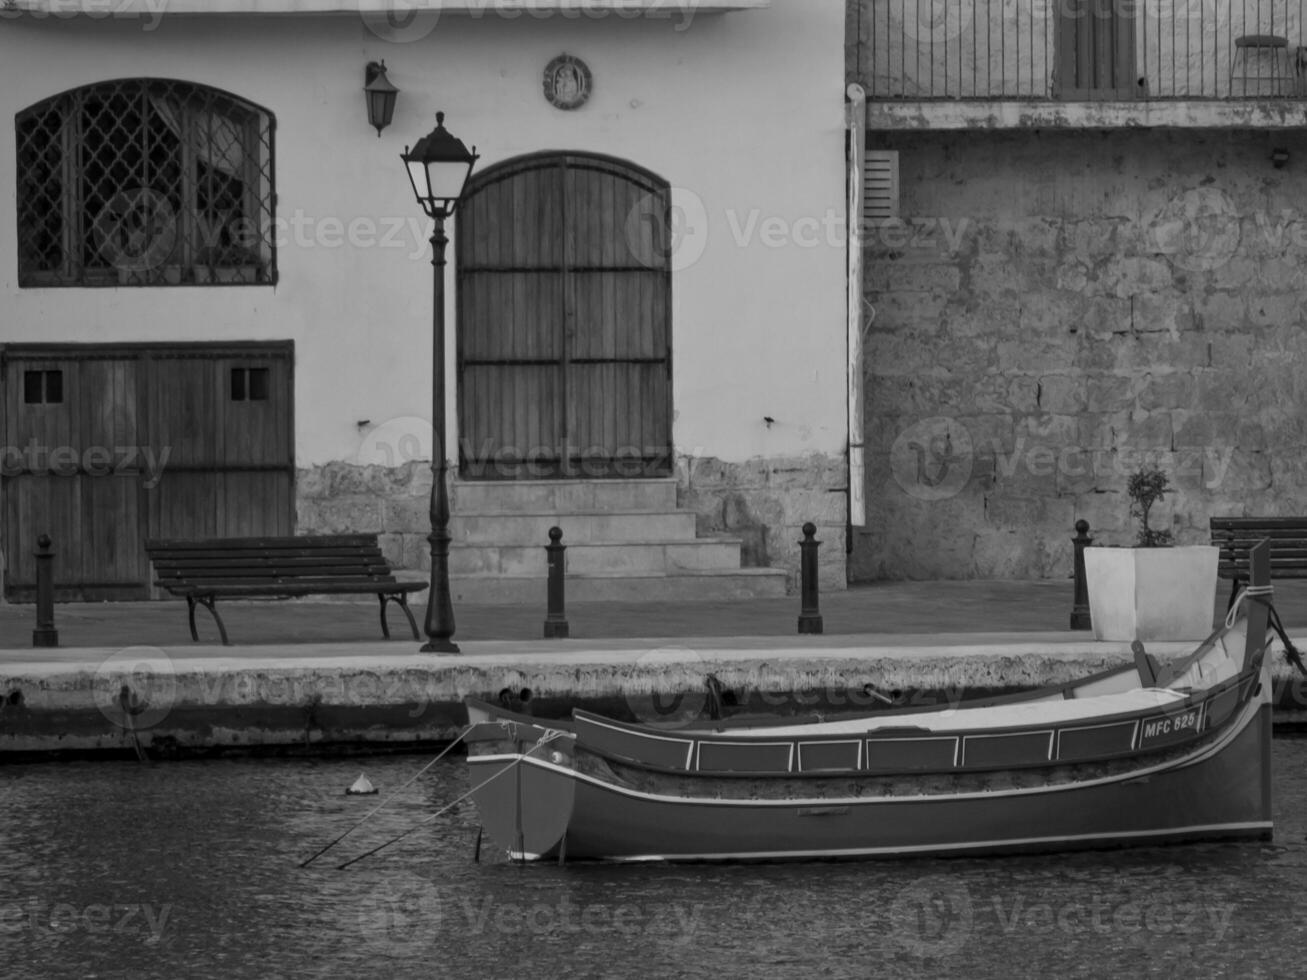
pixel 356 698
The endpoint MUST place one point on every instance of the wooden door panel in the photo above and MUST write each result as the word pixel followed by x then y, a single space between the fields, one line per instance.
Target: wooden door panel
pixel 563 301
pixel 113 561
pixel 147 441
pixel 40 504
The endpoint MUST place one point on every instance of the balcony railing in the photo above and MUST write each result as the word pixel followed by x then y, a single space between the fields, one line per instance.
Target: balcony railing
pixel 1082 50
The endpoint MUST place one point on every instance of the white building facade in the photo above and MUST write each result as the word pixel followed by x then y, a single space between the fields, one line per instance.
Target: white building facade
pixel 217 291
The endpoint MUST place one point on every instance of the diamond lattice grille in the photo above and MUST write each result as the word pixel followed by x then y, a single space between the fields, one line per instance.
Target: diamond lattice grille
pixel 144 182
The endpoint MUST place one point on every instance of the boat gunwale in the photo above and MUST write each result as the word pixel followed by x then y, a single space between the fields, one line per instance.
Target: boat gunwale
pixel 1188 754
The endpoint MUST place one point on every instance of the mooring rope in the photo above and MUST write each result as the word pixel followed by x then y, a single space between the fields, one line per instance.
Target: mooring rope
pixel 1262 594
pixel 443 810
pixel 368 816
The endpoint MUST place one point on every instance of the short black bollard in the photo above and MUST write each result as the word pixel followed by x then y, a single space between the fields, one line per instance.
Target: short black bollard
pixel 45 635
pixel 1080 618
pixel 556 627
pixel 809 614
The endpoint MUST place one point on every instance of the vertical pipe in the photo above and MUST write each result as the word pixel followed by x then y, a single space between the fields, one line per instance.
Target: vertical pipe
pixel 857 142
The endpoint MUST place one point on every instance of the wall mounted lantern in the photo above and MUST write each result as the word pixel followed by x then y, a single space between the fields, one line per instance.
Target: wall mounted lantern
pixel 380 94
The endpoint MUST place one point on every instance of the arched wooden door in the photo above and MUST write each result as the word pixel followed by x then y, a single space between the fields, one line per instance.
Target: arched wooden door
pixel 564 321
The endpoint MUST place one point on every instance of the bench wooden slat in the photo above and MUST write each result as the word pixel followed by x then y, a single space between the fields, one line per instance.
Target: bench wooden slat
pixel 294 541
pixel 206 569
pixel 1236 535
pixel 236 591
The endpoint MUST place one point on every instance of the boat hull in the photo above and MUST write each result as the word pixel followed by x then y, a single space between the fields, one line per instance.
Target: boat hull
pixel 1218 791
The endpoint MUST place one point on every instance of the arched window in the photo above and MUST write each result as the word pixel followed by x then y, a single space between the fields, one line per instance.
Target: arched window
pixel 143 182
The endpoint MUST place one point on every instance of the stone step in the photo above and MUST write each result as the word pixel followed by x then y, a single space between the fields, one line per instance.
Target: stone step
pixel 702 586
pixel 563 496
pixel 663 557
pixel 515 528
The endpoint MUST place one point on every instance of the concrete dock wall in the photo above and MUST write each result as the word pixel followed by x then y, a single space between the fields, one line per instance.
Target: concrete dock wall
pixel 195 701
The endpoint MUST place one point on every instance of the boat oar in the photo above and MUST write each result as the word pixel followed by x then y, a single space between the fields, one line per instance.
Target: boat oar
pixel 443 810
pixel 367 816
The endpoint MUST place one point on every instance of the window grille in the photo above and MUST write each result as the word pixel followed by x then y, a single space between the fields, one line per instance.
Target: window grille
pixel 143 182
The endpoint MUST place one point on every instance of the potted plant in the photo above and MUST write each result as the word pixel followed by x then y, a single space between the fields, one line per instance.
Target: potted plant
pixel 1155 590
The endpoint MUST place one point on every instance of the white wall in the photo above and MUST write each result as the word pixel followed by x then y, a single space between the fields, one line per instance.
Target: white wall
pixel 742 112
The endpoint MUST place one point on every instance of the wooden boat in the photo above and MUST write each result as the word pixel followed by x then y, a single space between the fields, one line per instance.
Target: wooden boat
pixel 1139 755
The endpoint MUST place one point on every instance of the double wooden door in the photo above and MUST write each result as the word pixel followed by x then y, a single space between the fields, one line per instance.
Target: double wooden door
pixel 564 321
pixel 107 446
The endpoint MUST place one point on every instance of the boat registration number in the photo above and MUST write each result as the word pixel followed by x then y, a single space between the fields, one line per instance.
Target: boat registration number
pixel 1169 726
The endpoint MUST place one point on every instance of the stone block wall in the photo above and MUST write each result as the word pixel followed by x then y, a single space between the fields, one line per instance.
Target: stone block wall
pixel 1057 308
pixel 764 502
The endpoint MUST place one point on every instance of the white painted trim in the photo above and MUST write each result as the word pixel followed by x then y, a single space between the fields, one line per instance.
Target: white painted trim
pixel 955 739
pixel 857 136
pixel 857 742
pixel 1197 756
pixel 965 114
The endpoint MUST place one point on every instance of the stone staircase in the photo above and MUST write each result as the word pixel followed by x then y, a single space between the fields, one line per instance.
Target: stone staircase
pixel 626 541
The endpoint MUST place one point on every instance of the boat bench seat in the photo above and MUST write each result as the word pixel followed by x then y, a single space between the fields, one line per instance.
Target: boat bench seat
pixel 205 570
pixel 1235 535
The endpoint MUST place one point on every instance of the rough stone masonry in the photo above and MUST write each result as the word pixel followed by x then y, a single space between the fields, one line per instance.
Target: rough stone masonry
pixel 1055 309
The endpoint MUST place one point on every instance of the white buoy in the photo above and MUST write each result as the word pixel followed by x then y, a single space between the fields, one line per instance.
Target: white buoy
pixel 362 787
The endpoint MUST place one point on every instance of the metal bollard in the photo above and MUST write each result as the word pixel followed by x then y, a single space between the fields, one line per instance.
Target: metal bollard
pixel 1080 618
pixel 556 627
pixel 809 614
pixel 45 635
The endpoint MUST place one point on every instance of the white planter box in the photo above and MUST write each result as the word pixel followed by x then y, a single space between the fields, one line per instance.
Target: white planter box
pixel 1151 593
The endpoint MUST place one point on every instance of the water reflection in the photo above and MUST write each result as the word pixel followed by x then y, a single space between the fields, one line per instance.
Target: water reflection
pixel 189 870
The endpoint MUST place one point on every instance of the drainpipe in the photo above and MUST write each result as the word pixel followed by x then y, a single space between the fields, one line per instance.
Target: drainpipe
pixel 856 122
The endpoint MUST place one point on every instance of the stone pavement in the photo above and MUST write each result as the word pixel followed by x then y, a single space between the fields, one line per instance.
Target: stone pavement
pixel 959 610
pixel 316 676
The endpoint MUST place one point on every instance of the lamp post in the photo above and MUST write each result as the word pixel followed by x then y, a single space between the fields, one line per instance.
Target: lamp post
pixel 439 166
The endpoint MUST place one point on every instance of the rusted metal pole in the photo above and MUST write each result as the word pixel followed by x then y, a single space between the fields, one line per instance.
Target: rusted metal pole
pixel 556 627
pixel 45 635
pixel 1080 618
pixel 810 613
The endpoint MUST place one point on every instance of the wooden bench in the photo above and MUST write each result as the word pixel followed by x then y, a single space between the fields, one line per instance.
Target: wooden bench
pixel 1235 535
pixel 203 571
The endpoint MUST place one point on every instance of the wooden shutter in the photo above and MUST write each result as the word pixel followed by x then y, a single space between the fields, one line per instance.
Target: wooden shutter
pixel 880 185
pixel 1096 58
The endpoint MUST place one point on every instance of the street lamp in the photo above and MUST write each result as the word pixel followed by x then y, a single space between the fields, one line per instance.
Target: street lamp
pixel 439 167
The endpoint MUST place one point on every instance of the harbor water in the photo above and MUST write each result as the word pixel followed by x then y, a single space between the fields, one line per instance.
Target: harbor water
pixel 190 871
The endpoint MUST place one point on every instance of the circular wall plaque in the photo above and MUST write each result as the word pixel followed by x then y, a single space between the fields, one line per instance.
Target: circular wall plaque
pixel 568 82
